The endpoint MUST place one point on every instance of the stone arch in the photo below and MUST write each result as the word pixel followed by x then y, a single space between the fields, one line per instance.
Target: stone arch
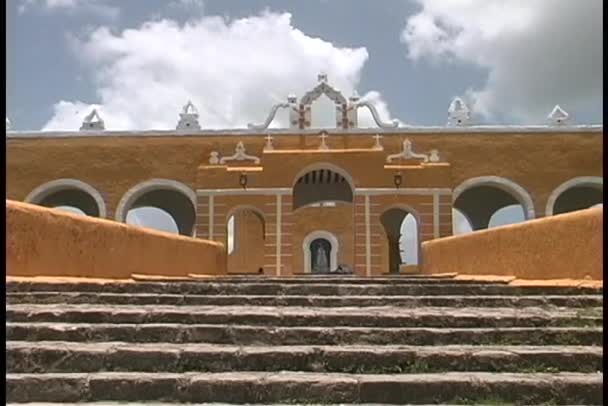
pixel 490 194
pixel 174 197
pixel 333 241
pixel 593 182
pixel 66 191
pixel 392 218
pixel 334 184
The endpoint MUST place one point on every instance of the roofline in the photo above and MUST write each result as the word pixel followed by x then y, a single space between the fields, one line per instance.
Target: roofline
pixel 508 129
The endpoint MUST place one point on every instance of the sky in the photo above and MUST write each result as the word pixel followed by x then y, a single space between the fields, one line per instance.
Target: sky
pixel 138 62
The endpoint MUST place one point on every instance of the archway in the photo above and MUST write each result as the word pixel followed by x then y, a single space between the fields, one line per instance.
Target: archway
pixel 320 252
pixel 245 236
pixel 479 199
pixel 69 194
pixel 174 198
pixel 152 217
pixel 576 194
pixel 460 223
pixel 401 226
pixel 322 183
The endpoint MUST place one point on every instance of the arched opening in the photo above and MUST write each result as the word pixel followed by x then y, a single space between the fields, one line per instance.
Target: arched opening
pixel 245 236
pixel 507 215
pixel 402 233
pixel 460 223
pixel 70 195
pixel 492 201
pixel 320 252
pixel 323 185
pixel 152 202
pixel 152 217
pixel 578 198
pixel 71 209
pixel 323 113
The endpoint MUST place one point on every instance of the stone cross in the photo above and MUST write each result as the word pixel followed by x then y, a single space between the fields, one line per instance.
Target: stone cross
pixel 377 145
pixel 268 146
pixel 323 136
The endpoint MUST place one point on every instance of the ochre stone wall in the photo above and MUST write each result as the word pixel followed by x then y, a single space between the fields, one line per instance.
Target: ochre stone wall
pixel 566 246
pixel 49 242
pixel 539 162
pixel 248 254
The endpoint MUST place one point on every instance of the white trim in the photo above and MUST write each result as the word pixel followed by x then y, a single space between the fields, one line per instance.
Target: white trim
pixel 211 217
pixel 436 215
pixel 368 245
pixel 579 181
pixel 278 238
pixel 519 193
pixel 402 191
pixel 48 188
pixel 153 184
pixel 506 129
pixel 248 191
pixel 333 258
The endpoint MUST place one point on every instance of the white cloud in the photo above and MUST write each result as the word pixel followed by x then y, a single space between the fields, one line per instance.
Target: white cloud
pixel 95 7
pixel 537 53
pixel 232 71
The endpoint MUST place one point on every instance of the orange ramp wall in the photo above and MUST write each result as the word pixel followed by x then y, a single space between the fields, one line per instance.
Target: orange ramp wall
pixel 566 246
pixel 49 242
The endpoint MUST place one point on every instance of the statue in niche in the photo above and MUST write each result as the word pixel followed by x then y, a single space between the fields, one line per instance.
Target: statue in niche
pixel 320 249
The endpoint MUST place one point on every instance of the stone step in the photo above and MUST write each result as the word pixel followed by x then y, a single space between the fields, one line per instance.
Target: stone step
pixel 386 316
pixel 316 289
pixel 303 387
pixel 296 300
pixel 52 357
pixel 346 279
pixel 264 335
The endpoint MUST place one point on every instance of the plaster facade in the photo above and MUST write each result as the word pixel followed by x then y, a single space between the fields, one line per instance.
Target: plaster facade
pixel 283 184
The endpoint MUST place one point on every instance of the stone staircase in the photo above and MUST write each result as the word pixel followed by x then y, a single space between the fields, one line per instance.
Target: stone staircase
pixel 322 340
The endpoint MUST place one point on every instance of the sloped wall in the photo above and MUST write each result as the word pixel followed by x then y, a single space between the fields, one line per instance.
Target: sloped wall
pixel 567 246
pixel 49 242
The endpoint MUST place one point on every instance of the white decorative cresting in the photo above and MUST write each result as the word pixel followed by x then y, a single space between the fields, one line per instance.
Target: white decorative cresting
pixel 458 113
pixel 240 155
pixel 558 116
pixel 188 118
pixel 408 153
pixel 89 123
pixel 346 110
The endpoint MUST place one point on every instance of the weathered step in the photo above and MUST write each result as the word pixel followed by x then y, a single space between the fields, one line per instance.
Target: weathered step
pixel 290 387
pixel 317 289
pixel 263 335
pixel 346 279
pixel 386 316
pixel 296 300
pixel 52 356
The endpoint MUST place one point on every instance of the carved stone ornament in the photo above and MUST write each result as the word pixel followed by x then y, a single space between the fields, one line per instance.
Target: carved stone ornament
pixel 558 116
pixel 240 155
pixel 408 153
pixel 346 110
pixel 458 113
pixel 89 122
pixel 188 118
pixel 214 158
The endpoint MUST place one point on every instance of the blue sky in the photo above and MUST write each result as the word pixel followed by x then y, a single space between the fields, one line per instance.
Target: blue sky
pixel 140 60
